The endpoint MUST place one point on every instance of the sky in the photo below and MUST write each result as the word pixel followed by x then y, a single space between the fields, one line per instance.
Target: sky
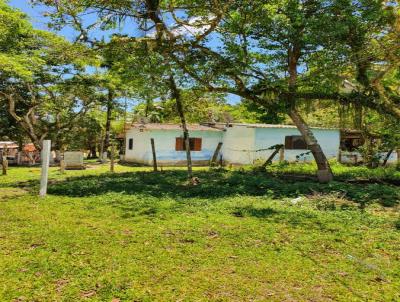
pixel 40 22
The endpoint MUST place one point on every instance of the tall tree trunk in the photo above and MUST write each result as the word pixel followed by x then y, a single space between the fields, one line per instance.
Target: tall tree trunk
pixel 324 173
pixel 324 170
pixel 358 116
pixel 26 122
pixel 110 107
pixel 179 106
pixel 92 150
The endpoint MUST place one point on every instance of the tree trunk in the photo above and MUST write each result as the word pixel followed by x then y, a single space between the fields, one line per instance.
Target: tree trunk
pixel 324 173
pixel 110 107
pixel 101 147
pixel 92 151
pixel 179 106
pixel 112 159
pixel 26 122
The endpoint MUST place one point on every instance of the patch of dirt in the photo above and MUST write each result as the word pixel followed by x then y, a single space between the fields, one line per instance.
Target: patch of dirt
pixel 60 284
pixel 88 294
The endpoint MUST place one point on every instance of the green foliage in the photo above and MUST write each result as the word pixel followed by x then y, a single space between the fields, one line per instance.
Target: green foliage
pixel 41 80
pixel 278 55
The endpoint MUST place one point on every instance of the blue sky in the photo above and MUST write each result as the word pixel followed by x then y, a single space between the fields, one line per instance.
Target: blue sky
pixel 40 22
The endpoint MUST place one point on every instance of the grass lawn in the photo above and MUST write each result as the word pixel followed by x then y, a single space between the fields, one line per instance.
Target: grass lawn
pixel 238 236
pixel 342 172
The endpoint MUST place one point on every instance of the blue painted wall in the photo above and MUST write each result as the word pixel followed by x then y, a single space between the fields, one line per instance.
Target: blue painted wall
pixel 329 139
pixel 165 140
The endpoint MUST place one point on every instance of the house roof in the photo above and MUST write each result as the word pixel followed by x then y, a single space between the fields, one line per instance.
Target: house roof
pixel 212 126
pixel 10 145
pixel 249 125
pixel 158 126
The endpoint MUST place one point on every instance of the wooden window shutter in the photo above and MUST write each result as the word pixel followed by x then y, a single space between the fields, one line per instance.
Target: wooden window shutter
pixel 179 144
pixel 295 142
pixel 197 144
pixel 299 143
pixel 288 142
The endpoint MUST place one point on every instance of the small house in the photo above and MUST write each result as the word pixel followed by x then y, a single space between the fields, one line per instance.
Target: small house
pixel 242 144
pixel 11 150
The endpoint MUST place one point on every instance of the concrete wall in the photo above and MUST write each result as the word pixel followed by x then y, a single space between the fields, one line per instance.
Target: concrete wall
pixel 141 146
pixel 239 145
pixel 267 137
pixel 164 141
pixel 238 142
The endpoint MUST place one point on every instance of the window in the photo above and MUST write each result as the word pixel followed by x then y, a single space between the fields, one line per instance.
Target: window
pixel 130 144
pixel 295 142
pixel 194 142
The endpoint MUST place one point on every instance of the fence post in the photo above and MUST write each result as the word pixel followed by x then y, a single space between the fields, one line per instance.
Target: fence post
pixel 45 167
pixel 282 154
pixel 4 161
pixel 19 158
pixel 62 165
pixel 271 157
pixel 112 159
pixel 153 150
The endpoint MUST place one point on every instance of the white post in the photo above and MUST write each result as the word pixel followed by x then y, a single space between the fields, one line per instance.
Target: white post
pixel 282 154
pixel 45 156
pixel 19 158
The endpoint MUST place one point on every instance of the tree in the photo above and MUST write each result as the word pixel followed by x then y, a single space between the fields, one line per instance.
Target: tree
pixel 40 78
pixel 275 53
pixel 111 85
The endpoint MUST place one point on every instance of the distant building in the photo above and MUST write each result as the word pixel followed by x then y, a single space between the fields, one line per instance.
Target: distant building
pixel 28 154
pixel 12 150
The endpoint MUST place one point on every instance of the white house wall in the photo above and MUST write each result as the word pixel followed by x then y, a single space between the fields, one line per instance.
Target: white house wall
pixel 164 141
pixel 141 146
pixel 238 142
pixel 239 145
pixel 329 140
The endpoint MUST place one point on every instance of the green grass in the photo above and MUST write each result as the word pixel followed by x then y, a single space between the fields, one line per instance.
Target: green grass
pixel 341 172
pixel 238 236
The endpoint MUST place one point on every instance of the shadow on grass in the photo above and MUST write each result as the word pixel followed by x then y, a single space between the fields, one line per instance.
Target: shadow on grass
pixel 254 212
pixel 217 184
